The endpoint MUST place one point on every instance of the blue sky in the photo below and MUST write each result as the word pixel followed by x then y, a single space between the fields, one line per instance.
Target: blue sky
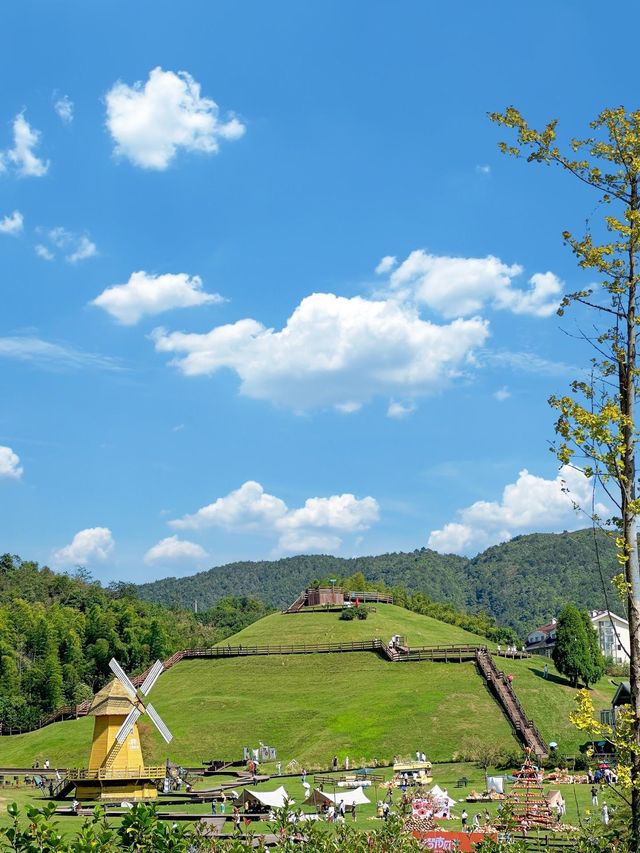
pixel 199 361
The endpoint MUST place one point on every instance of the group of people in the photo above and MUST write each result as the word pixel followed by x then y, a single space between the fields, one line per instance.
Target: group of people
pixel 333 814
pixel 475 822
pixel 509 651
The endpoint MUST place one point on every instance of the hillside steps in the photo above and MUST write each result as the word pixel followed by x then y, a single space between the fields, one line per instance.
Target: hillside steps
pixel 298 604
pixel 505 694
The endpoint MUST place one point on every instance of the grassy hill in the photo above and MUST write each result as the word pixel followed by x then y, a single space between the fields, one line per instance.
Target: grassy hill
pixel 314 627
pixel 313 706
pixel 521 583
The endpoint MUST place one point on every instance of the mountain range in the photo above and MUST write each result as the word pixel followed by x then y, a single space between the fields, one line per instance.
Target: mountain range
pixel 520 583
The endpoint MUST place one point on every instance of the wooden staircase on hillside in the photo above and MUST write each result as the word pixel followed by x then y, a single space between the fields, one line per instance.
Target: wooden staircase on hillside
pixel 504 693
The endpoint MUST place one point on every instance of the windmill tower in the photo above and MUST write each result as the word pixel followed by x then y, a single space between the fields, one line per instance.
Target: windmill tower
pixel 116 768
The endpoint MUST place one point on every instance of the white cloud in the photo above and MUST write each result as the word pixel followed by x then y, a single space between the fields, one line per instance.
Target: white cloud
pixel 55 356
pixel 246 508
pixel 305 543
pixel 44 253
pixel 339 512
pixel 89 546
pixel 530 504
pixel 312 527
pixel 78 247
pixel 10 463
pixel 483 169
pixel 333 351
pixel 386 264
pixel 12 224
pixel 174 550
pixel 85 248
pixel 400 410
pixel 502 394
pixel 145 294
pixel 150 122
pixel 22 156
pixel 459 287
pixel 64 108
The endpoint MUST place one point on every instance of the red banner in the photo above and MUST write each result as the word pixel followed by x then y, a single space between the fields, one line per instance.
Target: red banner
pixel 442 839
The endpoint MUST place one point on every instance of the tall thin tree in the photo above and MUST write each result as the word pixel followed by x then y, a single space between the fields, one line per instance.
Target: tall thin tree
pixel 596 424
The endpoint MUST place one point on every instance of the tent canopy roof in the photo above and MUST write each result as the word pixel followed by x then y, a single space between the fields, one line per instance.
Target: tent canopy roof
pixel 273 799
pixel 356 796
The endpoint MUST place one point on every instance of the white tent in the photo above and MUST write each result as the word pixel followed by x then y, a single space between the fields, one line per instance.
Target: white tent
pixel 438 794
pixel 356 796
pixel 496 783
pixel 271 799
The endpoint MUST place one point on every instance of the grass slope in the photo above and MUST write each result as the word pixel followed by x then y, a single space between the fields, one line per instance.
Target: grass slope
pixel 312 706
pixel 315 627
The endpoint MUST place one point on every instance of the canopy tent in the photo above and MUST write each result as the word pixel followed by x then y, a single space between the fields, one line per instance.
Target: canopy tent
pixel 269 799
pixel 349 798
pixel 555 798
pixel 495 783
pixel 438 794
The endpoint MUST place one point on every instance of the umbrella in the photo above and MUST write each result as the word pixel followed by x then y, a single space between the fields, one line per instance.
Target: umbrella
pixel 603 766
pixel 553 745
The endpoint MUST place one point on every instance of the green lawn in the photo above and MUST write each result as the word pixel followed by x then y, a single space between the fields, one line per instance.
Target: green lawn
pixel 549 702
pixel 312 706
pixel 577 797
pixel 314 627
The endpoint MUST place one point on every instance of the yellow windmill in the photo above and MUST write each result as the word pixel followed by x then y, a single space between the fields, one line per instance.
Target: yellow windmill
pixel 116 768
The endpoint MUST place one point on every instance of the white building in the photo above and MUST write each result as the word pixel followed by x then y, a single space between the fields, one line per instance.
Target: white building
pixel 613 634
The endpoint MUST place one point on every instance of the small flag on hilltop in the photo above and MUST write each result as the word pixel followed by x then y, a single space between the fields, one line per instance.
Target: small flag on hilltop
pixel 357 601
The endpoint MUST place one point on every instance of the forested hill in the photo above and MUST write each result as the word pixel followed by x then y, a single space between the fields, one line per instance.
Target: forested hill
pixel 521 583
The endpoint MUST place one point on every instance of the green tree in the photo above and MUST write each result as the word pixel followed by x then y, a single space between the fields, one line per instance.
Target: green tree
pixel 596 422
pixel 596 662
pixel 572 653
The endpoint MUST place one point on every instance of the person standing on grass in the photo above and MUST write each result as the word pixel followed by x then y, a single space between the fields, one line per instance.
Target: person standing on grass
pixel 223 803
pixel 353 811
pixel 594 795
pixel 464 817
pixel 545 671
pixel 213 806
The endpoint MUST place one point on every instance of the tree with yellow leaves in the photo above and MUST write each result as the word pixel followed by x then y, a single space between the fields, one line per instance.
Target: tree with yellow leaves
pixel 596 426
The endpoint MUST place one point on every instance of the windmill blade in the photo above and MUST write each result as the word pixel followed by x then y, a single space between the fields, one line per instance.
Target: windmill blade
pixel 130 720
pixel 154 674
pixel 122 677
pixel 157 721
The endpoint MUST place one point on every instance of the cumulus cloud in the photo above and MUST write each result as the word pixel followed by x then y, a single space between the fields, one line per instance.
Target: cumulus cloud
pixel 311 527
pixel 89 546
pixel 246 508
pixel 151 121
pixel 460 287
pixel 10 464
pixel 530 504
pixel 12 224
pixel 64 108
pixel 386 264
pixel 22 157
pixel 333 351
pixel 73 246
pixel 502 394
pixel 44 253
pixel 339 512
pixel 174 550
pixel 146 294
